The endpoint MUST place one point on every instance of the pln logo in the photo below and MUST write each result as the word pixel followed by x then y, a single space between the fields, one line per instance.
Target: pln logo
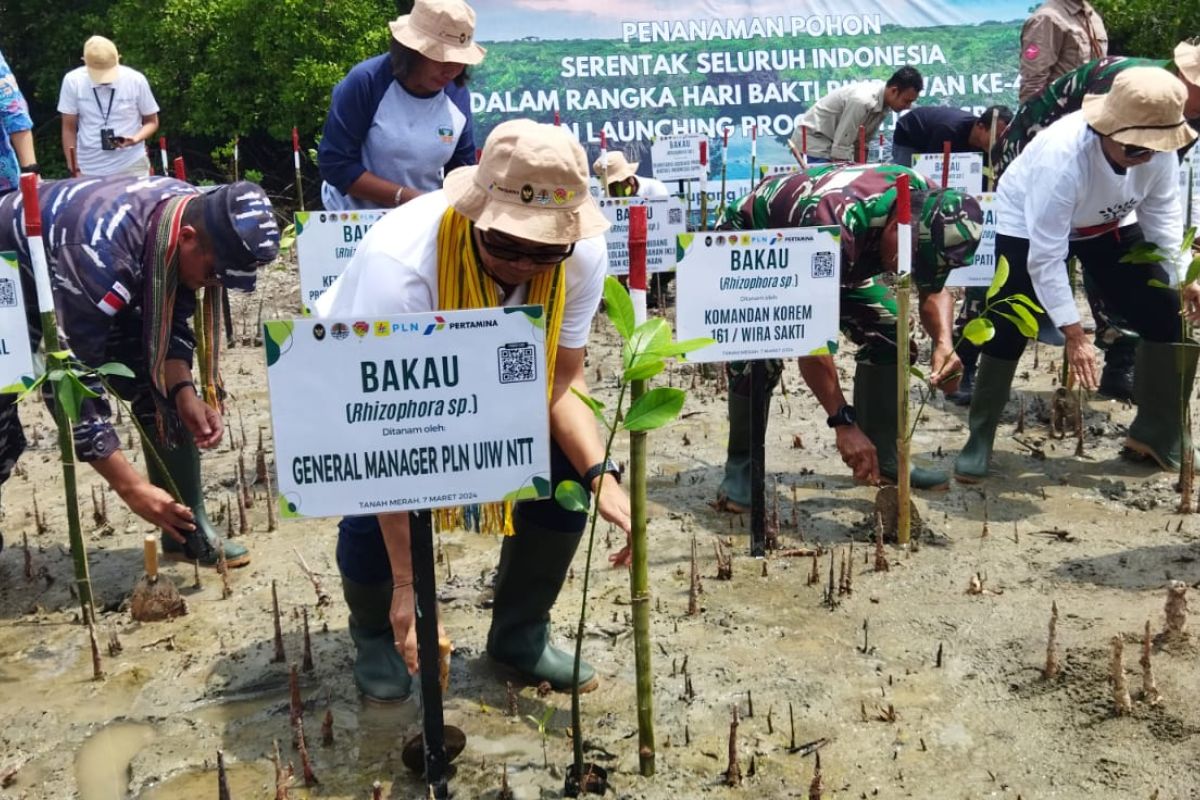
pixel 405 327
pixel 383 328
pixel 435 326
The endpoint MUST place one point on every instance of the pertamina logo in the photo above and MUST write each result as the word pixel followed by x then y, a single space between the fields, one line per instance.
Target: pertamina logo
pixel 435 326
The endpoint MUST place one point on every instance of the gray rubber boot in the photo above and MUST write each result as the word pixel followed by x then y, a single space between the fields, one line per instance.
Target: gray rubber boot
pixel 876 404
pixel 379 670
pixel 183 463
pixel 1159 389
pixel 533 566
pixel 993 380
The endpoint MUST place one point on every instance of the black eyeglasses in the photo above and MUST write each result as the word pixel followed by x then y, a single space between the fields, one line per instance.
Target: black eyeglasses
pixel 1133 151
pixel 507 248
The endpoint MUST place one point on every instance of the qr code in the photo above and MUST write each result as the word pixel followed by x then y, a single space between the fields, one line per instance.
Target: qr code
pixel 8 293
pixel 976 167
pixel 822 264
pixel 517 363
pixel 675 216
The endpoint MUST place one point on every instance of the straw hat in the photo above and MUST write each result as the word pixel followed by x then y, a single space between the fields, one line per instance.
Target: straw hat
pixel 101 58
pixel 531 182
pixel 1187 61
pixel 1144 108
pixel 441 30
pixel 618 168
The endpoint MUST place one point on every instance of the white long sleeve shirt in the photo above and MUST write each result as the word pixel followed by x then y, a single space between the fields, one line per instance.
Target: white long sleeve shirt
pixel 1062 188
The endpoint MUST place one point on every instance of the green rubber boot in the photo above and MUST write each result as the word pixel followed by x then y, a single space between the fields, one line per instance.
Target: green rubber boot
pixel 1155 432
pixel 734 493
pixel 876 403
pixel 533 565
pixel 379 670
pixel 992 384
pixel 183 462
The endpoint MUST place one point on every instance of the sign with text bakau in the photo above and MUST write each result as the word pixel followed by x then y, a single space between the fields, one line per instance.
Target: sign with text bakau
pixel 411 411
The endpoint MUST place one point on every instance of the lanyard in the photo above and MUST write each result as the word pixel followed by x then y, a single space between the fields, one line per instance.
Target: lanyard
pixel 107 111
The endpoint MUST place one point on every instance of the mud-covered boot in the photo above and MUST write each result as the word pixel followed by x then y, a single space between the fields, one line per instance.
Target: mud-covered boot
pixel 1163 378
pixel 876 404
pixel 969 354
pixel 992 384
pixel 379 670
pixel 533 566
pixel 1116 380
pixel 183 464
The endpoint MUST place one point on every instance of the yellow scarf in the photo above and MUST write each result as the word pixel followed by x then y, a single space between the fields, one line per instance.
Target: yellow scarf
pixel 463 284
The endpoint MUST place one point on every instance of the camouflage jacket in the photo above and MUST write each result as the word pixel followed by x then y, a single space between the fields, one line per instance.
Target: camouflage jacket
pixel 859 198
pixel 95 234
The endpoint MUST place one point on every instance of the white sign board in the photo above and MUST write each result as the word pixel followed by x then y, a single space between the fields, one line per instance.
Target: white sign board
pixel 1189 172
pixel 677 158
pixel 411 411
pixel 966 170
pixel 759 294
pixel 775 170
pixel 984 266
pixel 664 221
pixel 325 242
pixel 16 356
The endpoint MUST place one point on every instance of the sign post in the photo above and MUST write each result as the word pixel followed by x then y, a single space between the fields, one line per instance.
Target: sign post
pixel 903 294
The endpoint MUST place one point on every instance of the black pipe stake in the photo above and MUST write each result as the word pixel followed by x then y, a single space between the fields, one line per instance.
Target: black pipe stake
pixel 758 473
pixel 428 652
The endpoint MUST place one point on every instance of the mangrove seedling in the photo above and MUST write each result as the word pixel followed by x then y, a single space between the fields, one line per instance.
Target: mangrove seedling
pixel 543 731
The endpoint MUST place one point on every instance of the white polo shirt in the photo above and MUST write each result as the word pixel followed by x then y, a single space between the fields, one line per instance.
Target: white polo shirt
pixel 130 99
pixel 1062 188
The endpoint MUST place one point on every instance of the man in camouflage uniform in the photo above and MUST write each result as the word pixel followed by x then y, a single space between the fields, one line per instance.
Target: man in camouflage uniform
pixel 1058 37
pixel 110 243
pixel 1064 96
pixel 861 200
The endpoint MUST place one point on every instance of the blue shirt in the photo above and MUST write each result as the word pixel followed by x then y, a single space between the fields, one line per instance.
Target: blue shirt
pixel 375 125
pixel 14 118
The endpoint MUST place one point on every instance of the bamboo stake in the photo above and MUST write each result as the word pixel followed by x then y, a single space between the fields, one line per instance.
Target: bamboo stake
pixel 904 439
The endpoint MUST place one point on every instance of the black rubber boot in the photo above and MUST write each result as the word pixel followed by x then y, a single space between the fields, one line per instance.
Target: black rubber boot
pixel 1117 378
pixel 876 403
pixel 533 566
pixel 991 395
pixel 379 670
pixel 969 354
pixel 1155 432
pixel 734 493
pixel 183 463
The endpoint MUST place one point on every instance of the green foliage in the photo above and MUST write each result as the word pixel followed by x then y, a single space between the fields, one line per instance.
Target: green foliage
pixel 1148 28
pixel 979 330
pixel 571 496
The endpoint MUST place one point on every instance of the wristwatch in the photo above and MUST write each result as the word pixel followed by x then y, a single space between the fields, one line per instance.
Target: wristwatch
pixel 844 416
pixel 598 469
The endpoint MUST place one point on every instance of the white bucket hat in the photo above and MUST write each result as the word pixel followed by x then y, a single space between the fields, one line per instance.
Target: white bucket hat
pixel 531 182
pixel 1144 108
pixel 1187 61
pixel 441 30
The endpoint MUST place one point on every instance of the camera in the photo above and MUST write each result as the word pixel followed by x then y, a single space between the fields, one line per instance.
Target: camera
pixel 108 140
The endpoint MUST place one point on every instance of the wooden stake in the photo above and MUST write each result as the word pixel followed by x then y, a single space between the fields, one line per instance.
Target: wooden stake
pixel 307 663
pixel 1052 667
pixel 280 655
pixel 694 588
pixel 223 792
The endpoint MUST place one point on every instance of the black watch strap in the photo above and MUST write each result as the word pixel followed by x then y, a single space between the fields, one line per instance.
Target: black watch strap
pixel 598 469
pixel 34 168
pixel 844 416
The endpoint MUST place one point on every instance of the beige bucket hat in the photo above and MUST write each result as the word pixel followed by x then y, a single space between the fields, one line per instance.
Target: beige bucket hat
pixel 102 60
pixel 441 30
pixel 1144 108
pixel 618 168
pixel 531 182
pixel 1187 61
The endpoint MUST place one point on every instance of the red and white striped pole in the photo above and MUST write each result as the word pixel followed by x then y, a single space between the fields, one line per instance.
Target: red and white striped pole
pixel 945 164
pixel 637 262
pixel 903 297
pixel 703 184
pixel 604 162
pixel 296 164
pixel 180 169
pixel 162 154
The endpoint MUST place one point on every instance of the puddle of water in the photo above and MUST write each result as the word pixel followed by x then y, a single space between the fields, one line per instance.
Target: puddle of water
pixel 253 779
pixel 102 764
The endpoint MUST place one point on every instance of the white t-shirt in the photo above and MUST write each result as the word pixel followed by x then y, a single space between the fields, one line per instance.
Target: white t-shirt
pixel 651 187
pixel 394 271
pixel 131 100
pixel 1062 188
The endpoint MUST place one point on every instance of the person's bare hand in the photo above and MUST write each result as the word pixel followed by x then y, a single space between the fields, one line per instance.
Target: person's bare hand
pixel 947 369
pixel 1081 357
pixel 158 508
pixel 614 507
pixel 1191 302
pixel 202 420
pixel 403 617
pixel 858 453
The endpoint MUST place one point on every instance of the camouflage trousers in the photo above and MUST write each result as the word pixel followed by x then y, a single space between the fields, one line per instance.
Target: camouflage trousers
pixel 867 317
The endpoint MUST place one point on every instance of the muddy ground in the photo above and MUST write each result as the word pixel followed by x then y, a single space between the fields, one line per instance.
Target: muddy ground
pixel 1093 534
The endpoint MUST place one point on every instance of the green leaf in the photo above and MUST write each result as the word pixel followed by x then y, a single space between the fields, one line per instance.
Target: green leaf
pixel 55 375
pixel 1157 284
pixel 571 496
pixel 619 307
pixel 115 368
pixel 654 409
pixel 916 372
pixel 999 279
pixel 1027 300
pixel 1189 238
pixel 651 334
pixel 1030 328
pixel 1143 253
pixel 676 349
pixel 647 368
pixel 1029 332
pixel 1193 271
pixel 979 330
pixel 595 405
